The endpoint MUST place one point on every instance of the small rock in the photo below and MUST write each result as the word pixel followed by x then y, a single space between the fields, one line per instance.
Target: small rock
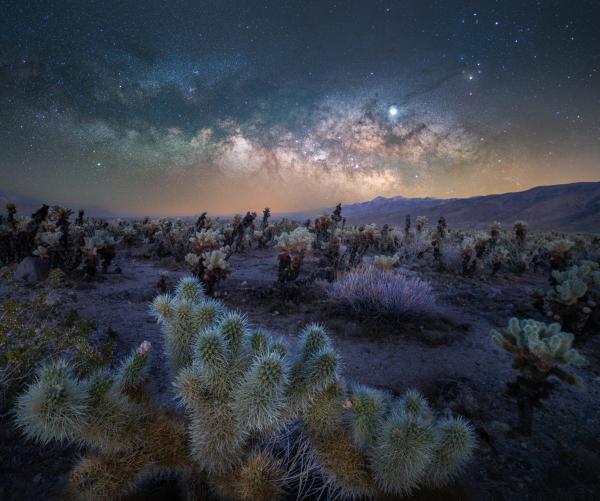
pixel 32 270
pixel 37 479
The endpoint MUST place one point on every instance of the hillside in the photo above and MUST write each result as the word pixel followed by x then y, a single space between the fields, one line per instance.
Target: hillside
pixel 568 207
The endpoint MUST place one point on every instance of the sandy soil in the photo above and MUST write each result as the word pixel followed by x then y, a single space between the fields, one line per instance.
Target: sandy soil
pixel 447 355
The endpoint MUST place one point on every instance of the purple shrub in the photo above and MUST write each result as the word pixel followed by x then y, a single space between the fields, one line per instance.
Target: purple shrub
pixel 383 292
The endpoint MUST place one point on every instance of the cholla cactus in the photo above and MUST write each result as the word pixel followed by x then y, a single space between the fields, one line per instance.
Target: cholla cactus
pixel 216 268
pixel 442 227
pixel 90 257
pixel 106 413
pixel 163 277
pixel 100 246
pixel 208 259
pixel 498 257
pixel 520 229
pixel 50 247
pixel 495 230
pixel 469 256
pixel 386 446
pixel 422 221
pixel 559 253
pixel 539 350
pixel 241 390
pixel 129 236
pixel 293 246
pixel 573 300
pixel 359 240
pixel 205 240
pixel 385 262
pixel 181 317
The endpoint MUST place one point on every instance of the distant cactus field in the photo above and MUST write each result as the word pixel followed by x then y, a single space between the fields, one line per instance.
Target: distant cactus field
pixel 259 358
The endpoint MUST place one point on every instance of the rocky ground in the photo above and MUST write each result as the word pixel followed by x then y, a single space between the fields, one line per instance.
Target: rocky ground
pixel 447 355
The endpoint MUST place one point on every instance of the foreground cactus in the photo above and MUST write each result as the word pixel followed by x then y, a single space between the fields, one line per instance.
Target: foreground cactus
pixel 538 351
pixel 374 444
pixel 244 395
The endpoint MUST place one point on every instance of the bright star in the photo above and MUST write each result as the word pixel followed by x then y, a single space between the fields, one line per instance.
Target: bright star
pixel 393 111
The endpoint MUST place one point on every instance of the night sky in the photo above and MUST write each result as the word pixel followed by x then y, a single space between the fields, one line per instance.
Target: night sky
pixel 177 107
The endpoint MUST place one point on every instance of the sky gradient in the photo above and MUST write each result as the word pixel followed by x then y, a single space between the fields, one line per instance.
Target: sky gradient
pixel 180 107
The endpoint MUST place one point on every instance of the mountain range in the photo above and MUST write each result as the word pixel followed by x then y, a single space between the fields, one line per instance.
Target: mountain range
pixel 571 207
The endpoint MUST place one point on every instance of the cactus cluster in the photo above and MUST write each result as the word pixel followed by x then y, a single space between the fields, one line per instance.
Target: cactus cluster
pixel 539 351
pixel 574 298
pixel 243 393
pixel 51 235
pixel 208 260
pixel 293 246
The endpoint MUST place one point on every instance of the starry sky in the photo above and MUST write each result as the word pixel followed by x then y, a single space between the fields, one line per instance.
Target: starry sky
pixel 175 107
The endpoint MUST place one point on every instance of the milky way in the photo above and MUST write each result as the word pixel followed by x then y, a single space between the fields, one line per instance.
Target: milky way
pixel 177 107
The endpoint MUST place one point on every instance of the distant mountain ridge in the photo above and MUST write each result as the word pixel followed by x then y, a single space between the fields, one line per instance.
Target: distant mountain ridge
pixel 27 206
pixel 571 207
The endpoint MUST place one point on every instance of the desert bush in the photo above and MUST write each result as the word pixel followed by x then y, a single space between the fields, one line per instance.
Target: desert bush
pixel 32 330
pixel 241 389
pixel 539 351
pixel 382 292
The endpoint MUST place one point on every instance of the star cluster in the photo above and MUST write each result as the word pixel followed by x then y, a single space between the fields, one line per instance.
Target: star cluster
pixel 176 107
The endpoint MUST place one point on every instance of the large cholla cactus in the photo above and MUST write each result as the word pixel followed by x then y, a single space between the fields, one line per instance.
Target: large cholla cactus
pixel 245 394
pixel 538 351
pixel 109 414
pixel 573 300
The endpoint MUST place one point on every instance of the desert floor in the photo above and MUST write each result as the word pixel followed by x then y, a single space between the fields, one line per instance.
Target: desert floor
pixel 447 355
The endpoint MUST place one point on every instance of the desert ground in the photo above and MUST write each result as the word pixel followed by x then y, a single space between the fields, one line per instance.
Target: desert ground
pixel 446 354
